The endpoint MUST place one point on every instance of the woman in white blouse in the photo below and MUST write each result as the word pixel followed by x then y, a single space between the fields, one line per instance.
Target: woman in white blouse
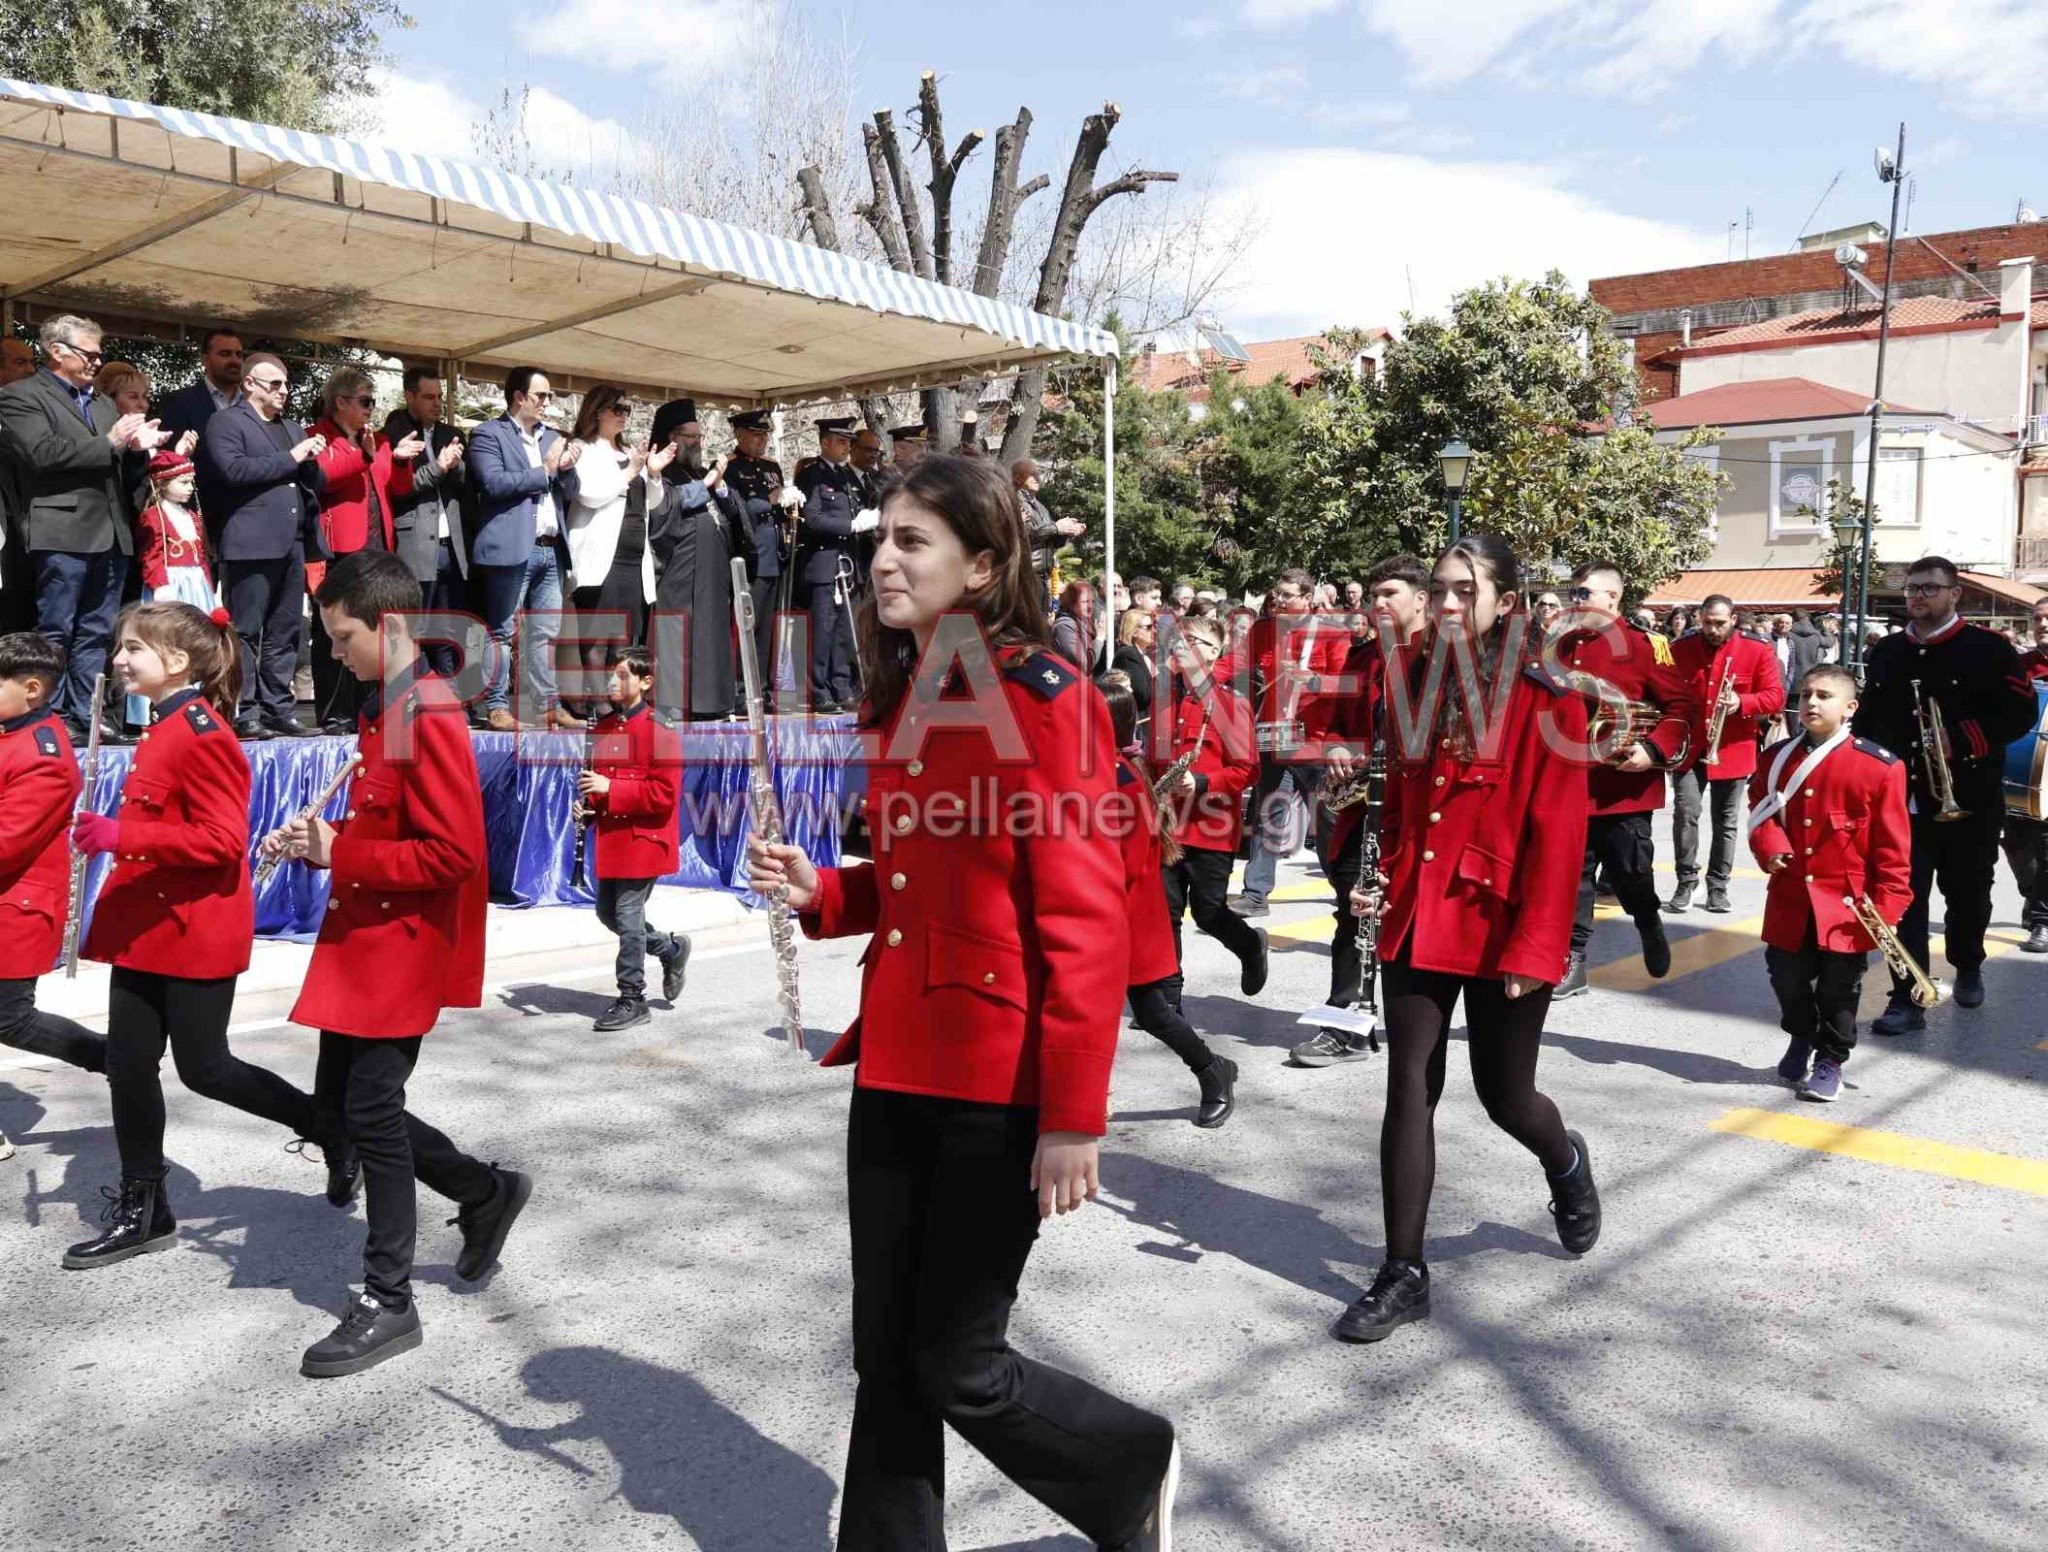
pixel 611 490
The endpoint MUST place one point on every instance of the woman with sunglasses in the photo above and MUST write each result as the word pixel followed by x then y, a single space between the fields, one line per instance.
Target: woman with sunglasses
pixel 363 472
pixel 611 566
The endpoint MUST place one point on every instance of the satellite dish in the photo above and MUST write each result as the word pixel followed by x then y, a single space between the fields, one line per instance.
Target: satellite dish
pixel 1887 169
pixel 1849 256
pixel 2026 215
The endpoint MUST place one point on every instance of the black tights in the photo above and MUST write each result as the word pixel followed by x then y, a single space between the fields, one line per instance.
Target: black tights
pixel 1502 1036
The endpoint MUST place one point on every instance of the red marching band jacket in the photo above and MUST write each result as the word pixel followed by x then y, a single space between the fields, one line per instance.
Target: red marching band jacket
pixel 1846 832
pixel 403 936
pixel 345 497
pixel 1638 667
pixel 1759 687
pixel 1152 952
pixel 1224 770
pixel 1293 657
pixel 1001 950
pixel 39 786
pixel 178 901
pixel 1482 856
pixel 636 819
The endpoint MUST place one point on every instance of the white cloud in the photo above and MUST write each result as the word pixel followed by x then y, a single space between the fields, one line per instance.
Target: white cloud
pixel 414 113
pixel 1342 234
pixel 1360 115
pixel 1283 13
pixel 1277 84
pixel 648 34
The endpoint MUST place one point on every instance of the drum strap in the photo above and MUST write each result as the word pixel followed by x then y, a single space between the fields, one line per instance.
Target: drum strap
pixel 1777 797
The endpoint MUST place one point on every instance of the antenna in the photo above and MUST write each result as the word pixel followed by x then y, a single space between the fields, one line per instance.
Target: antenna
pixel 1906 220
pixel 1805 225
pixel 1748 228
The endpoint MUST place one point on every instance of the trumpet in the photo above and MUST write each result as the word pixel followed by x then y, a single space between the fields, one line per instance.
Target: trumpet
pixel 1934 757
pixel 1924 992
pixel 1718 718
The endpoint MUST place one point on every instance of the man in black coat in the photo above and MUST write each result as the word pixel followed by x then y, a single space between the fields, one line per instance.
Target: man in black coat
pixel 1971 680
pixel 80 462
pixel 693 551
pixel 758 504
pixel 269 480
pixel 192 406
pixel 428 524
pixel 833 519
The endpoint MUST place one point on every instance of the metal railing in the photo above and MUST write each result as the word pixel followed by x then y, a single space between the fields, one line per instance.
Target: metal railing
pixel 2036 429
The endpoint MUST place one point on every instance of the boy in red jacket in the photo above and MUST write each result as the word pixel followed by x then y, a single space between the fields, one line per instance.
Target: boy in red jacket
pixel 1827 821
pixel 631 787
pixel 403 938
pixel 39 785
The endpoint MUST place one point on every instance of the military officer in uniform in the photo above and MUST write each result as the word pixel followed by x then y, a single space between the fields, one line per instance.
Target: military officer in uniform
pixel 1967 681
pixel 833 518
pixel 757 505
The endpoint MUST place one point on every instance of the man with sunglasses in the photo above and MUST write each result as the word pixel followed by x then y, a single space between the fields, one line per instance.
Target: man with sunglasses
pixel 78 459
pixel 1973 677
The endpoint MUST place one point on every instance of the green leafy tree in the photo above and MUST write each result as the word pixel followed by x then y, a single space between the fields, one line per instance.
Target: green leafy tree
pixel 1837 574
pixel 1526 374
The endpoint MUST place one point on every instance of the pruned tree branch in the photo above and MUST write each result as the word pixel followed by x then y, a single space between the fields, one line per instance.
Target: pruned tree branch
pixel 907 204
pixel 1129 183
pixel 817 208
pixel 879 211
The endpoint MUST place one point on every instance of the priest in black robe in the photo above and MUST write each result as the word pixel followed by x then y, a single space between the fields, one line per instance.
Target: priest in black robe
pixel 693 551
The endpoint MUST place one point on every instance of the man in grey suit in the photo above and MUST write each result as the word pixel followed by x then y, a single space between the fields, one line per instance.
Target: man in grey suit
pixel 80 461
pixel 431 539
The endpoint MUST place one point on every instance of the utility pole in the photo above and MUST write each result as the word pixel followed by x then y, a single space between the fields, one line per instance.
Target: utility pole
pixel 1890 169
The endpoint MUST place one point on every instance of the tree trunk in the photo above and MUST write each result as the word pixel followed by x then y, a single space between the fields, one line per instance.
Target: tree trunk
pixel 880 210
pixel 906 194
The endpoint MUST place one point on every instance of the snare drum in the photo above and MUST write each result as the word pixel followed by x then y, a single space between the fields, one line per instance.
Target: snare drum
pixel 2026 765
pixel 1280 737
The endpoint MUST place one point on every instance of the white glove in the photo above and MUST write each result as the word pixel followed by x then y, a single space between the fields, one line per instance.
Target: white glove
pixel 867 522
pixel 789 497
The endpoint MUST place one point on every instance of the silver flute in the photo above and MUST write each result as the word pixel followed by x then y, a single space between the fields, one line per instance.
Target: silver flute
pixel 313 810
pixel 79 859
pixel 766 812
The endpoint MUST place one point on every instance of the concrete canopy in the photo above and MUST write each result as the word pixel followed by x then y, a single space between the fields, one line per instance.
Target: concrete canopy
pixel 145 212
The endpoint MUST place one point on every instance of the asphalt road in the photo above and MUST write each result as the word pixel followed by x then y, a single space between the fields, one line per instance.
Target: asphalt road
pixel 1772 1346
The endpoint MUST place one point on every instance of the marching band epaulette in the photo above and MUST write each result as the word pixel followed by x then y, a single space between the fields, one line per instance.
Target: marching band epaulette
pixel 1544 677
pixel 1875 751
pixel 202 717
pixel 1045 674
pixel 46 739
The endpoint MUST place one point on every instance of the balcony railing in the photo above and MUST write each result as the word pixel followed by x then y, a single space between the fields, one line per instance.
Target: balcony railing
pixel 2037 431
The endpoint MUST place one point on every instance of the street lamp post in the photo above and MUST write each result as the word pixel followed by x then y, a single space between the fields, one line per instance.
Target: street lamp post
pixel 1455 459
pixel 1851 539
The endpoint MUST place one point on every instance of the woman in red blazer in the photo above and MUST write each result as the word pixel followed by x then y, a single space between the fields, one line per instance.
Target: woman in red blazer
pixel 364 473
pixel 1482 838
pixel 991 996
pixel 175 917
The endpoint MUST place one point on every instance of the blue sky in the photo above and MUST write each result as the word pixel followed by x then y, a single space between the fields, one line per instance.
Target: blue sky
pixel 1380 149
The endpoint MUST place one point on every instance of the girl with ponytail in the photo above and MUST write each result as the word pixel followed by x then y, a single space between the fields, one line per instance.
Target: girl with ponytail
pixel 175 916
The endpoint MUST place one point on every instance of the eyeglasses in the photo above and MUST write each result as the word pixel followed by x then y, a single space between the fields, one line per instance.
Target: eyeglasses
pixel 623 407
pixel 91 357
pixel 265 383
pixel 543 397
pixel 1927 589
pixel 367 401
pixel 1581 594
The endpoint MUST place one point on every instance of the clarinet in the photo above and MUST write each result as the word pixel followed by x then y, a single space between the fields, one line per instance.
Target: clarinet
pixel 79 858
pixel 1369 868
pixel 765 811
pixel 581 811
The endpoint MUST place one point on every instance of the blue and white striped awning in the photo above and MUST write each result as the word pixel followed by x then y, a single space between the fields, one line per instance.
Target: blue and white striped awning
pixel 149 212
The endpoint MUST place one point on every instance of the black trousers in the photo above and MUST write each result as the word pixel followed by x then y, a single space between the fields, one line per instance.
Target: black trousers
pixel 1199 884
pixel 1691 790
pixel 942 1219
pixel 1962 858
pixel 1156 1007
pixel 267 599
pixel 146 1012
pixel 27 1028
pixel 1348 968
pixel 360 1085
pixel 2026 849
pixel 622 908
pixel 767 594
pixel 1503 1037
pixel 337 694
pixel 831 646
pixel 1619 847
pixel 1817 991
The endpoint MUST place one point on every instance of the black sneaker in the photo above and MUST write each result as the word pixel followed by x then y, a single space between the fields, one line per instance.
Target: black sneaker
pixel 1717 901
pixel 1969 992
pixel 139 1223
pixel 1797 1061
pixel 1680 901
pixel 1327 1047
pixel 623 1013
pixel 368 1334
pixel 1248 905
pixel 673 964
pixel 2037 941
pixel 1253 979
pixel 1156 1534
pixel 485 1226
pixel 1399 1294
pixel 1901 1016
pixel 344 1168
pixel 1219 1092
pixel 1656 947
pixel 1575 1202
pixel 1574 983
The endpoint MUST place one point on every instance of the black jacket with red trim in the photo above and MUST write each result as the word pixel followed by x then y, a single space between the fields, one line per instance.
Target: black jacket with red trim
pixel 1985 700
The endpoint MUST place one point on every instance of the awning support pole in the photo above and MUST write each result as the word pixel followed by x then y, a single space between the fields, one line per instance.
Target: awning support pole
pixel 1106 600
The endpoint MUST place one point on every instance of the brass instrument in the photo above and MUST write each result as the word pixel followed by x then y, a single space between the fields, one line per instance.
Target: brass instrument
pixel 1925 993
pixel 1616 724
pixel 765 811
pixel 79 860
pixel 1718 717
pixel 1341 792
pixel 1935 757
pixel 312 810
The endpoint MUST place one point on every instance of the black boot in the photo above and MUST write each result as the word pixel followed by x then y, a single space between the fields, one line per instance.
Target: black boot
pixel 1656 946
pixel 485 1226
pixel 1398 1295
pixel 1575 1202
pixel 139 1223
pixel 1219 1092
pixel 344 1169
pixel 1252 980
pixel 368 1334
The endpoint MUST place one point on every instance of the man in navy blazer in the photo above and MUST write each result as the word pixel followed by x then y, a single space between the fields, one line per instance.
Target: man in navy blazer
pixel 269 481
pixel 522 478
pixel 192 406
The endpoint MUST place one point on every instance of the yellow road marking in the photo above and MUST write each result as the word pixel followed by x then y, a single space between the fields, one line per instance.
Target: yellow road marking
pixel 1873 1147
pixel 1298 934
pixel 1690 954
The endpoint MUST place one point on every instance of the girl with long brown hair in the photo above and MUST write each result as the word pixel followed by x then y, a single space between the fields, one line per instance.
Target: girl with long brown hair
pixel 990 1005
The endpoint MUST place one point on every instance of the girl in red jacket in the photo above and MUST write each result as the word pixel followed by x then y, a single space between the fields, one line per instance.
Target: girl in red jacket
pixel 631 787
pixel 1155 958
pixel 990 1001
pixel 175 916
pixel 1482 838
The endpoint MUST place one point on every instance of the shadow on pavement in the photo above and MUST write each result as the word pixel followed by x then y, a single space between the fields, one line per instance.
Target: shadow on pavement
pixel 680 1451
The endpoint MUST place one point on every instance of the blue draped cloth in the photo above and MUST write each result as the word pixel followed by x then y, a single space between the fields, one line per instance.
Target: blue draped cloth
pixel 529 786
